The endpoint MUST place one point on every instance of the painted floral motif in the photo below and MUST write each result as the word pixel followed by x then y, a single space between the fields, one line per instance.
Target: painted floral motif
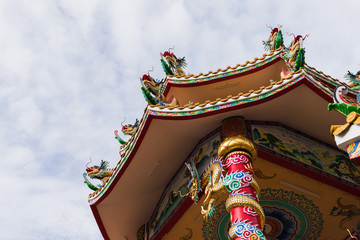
pixel 250 211
pixel 237 180
pixel 236 159
pixel 247 231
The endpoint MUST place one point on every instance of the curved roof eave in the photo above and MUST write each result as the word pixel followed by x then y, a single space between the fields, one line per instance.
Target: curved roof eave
pixel 264 94
pixel 200 110
pixel 308 76
pixel 205 78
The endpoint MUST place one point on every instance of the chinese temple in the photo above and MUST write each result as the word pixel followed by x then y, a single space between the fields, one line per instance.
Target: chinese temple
pixel 268 149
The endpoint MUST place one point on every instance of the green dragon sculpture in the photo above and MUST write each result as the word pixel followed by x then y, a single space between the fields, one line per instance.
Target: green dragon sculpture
pixel 275 40
pixel 295 53
pixel 152 89
pixel 354 82
pixel 117 137
pixel 340 103
pixel 172 64
pixel 130 129
pixel 98 172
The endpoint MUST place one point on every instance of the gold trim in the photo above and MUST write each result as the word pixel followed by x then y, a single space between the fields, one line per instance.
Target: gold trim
pixel 236 142
pixel 352 118
pixel 255 186
pixel 240 200
pixel 239 152
pixel 232 233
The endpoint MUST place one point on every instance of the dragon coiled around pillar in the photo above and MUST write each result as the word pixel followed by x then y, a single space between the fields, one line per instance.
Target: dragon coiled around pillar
pixel 98 172
pixel 214 189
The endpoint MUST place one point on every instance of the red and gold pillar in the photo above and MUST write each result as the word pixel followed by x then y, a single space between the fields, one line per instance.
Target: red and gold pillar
pixel 246 215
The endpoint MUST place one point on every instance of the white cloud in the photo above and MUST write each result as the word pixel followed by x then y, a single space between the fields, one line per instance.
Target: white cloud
pixel 69 75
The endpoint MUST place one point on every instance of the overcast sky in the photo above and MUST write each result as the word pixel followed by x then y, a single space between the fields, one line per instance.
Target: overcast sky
pixel 69 75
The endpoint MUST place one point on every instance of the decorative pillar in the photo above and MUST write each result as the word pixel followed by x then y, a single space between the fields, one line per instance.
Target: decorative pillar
pixel 246 215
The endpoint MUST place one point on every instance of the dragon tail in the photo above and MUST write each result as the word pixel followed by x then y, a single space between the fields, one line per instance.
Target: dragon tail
pixel 300 60
pixel 89 184
pixel 166 68
pixel 148 97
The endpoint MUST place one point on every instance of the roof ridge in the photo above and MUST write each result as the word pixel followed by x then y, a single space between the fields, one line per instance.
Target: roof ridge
pixel 322 73
pixel 272 53
pixel 258 91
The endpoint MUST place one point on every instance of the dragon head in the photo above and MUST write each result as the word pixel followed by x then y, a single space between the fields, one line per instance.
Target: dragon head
pixel 170 57
pixel 96 171
pixel 92 171
pixel 274 30
pixel 146 77
pixel 298 39
pixel 129 129
pixel 275 39
pixel 168 53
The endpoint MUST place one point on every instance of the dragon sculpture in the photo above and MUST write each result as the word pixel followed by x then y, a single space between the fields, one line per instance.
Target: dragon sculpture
pixel 350 211
pixel 275 40
pixel 172 64
pixel 194 183
pixel 130 128
pixel 354 82
pixel 117 137
pixel 214 190
pixel 340 103
pixel 295 53
pixel 152 89
pixel 98 172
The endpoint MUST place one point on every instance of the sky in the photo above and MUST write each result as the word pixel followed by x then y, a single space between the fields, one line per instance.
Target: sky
pixel 69 75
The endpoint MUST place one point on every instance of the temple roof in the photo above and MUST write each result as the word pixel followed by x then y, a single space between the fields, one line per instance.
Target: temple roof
pixel 147 162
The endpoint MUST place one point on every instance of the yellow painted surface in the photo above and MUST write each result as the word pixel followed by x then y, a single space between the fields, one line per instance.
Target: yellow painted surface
pixel 323 195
